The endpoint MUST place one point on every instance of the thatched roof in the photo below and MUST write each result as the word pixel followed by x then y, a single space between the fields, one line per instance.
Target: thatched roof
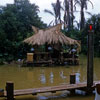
pixel 51 35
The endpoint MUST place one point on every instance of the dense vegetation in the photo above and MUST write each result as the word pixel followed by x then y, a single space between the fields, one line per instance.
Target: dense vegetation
pixel 82 35
pixel 95 20
pixel 15 25
pixel 77 29
pixel 16 21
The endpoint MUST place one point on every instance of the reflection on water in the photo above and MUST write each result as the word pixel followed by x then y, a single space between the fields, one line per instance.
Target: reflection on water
pixel 34 77
pixel 42 79
pixel 77 77
pixel 51 77
pixel 62 75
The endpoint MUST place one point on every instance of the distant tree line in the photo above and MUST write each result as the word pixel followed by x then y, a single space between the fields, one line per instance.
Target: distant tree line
pixel 69 8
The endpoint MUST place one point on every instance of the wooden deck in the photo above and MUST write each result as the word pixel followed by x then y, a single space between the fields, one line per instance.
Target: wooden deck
pixel 35 63
pixel 53 89
pixel 47 58
pixel 70 61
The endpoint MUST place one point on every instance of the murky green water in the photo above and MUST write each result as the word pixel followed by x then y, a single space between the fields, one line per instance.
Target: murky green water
pixel 33 77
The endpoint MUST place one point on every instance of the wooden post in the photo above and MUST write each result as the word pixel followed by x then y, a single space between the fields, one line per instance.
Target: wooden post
pixel 72 81
pixel 10 90
pixel 90 59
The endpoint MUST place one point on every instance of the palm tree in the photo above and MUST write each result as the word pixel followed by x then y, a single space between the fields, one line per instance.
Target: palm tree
pixel 72 16
pixel 83 5
pixel 67 14
pixel 56 12
pixel 52 13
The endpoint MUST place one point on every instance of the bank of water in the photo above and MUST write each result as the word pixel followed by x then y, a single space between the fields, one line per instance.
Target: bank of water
pixel 34 77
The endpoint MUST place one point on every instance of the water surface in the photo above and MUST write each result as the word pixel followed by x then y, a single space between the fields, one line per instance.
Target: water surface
pixel 34 77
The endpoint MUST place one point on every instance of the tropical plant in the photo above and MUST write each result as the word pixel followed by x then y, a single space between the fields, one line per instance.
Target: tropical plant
pixel 15 25
pixel 72 16
pixel 66 14
pixel 83 5
pixel 56 12
pixel 69 13
pixel 52 13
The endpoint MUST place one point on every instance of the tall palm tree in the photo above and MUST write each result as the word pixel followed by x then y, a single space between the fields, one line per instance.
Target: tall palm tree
pixel 67 14
pixel 56 11
pixel 83 5
pixel 53 13
pixel 72 15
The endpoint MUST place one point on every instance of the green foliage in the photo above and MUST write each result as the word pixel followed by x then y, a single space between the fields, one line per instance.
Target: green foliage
pixel 74 33
pixel 83 35
pixel 95 20
pixel 15 25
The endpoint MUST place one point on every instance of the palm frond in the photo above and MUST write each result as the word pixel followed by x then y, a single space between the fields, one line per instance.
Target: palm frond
pixel 62 8
pixel 88 13
pixel 91 4
pixel 76 11
pixel 77 2
pixel 50 23
pixel 48 11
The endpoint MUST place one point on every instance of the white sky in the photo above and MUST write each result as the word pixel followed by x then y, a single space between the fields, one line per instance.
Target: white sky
pixel 46 4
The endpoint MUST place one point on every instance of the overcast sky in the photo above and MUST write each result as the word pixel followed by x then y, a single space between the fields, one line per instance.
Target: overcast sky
pixel 46 4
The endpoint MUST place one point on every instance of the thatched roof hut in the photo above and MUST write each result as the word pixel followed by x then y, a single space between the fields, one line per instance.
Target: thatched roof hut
pixel 51 35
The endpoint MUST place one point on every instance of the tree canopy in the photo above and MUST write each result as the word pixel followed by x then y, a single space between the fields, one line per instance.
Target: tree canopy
pixel 15 25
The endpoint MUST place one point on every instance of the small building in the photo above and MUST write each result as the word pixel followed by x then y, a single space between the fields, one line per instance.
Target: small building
pixel 53 40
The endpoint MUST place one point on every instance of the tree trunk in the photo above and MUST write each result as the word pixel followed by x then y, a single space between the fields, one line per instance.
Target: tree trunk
pixel 82 23
pixel 65 20
pixel 72 16
pixel 68 16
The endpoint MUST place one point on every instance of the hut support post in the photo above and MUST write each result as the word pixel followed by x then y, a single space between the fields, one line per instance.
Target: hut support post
pixel 72 81
pixel 90 61
pixel 10 90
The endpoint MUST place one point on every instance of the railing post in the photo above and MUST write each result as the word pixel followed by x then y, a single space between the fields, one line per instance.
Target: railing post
pixel 10 90
pixel 72 81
